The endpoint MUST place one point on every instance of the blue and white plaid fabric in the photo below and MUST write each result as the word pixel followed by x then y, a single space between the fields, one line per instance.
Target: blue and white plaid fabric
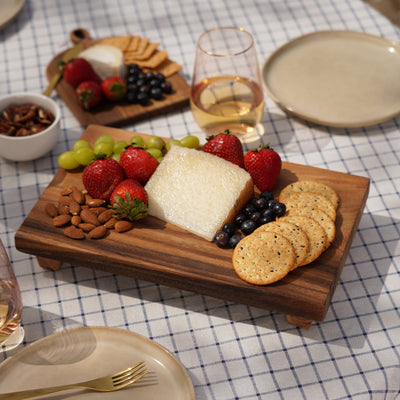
pixel 230 350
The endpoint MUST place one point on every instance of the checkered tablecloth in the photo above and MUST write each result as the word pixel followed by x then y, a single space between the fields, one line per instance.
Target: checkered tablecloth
pixel 231 351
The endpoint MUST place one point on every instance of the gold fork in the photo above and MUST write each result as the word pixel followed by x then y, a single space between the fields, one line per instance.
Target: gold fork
pixel 108 383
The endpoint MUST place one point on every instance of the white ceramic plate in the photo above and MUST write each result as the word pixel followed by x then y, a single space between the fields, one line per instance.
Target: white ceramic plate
pixel 8 10
pixel 336 78
pixel 90 352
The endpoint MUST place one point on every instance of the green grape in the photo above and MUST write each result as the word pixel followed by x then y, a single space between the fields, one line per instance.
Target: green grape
pixel 137 140
pixel 155 152
pixel 79 144
pixel 67 160
pixel 85 155
pixel 190 141
pixel 173 142
pixel 119 147
pixel 104 148
pixel 155 142
pixel 116 156
pixel 105 139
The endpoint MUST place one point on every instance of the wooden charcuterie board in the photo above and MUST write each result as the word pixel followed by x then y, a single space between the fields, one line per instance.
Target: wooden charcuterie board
pixel 121 113
pixel 163 253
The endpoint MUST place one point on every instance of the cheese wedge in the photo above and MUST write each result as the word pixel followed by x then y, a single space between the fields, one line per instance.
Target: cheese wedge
pixel 197 191
pixel 106 60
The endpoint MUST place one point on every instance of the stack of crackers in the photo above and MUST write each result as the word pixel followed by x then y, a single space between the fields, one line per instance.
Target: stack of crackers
pixel 141 51
pixel 298 238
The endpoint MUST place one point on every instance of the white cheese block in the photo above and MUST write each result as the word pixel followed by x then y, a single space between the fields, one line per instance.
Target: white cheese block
pixel 197 191
pixel 106 60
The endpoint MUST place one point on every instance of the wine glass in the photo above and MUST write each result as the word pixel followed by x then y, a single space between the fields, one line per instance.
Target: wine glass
pixel 226 90
pixel 11 332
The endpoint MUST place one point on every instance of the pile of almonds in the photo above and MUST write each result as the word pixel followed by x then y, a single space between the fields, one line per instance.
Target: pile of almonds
pixel 82 216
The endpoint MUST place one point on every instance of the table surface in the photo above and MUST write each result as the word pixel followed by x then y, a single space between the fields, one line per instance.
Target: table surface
pixel 231 351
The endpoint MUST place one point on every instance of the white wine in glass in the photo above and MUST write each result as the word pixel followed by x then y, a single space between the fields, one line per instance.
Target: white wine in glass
pixel 226 88
pixel 11 332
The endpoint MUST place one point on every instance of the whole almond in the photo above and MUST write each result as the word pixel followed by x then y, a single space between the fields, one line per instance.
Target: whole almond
pixel 89 217
pixel 110 224
pixel 97 210
pixel 51 210
pixel 105 216
pixel 63 208
pixel 86 227
pixel 76 220
pixel 61 220
pixel 95 202
pixel 98 232
pixel 78 196
pixel 73 232
pixel 67 190
pixel 74 208
pixel 123 226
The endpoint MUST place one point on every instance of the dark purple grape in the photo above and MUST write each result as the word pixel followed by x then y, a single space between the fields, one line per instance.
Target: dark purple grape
pixel 279 209
pixel 267 195
pixel 221 239
pixel 248 209
pixel 156 93
pixel 166 87
pixel 260 203
pixel 132 97
pixel 229 228
pixel 239 219
pixel 234 240
pixel 271 203
pixel 143 98
pixel 256 216
pixel 248 227
pixel 160 77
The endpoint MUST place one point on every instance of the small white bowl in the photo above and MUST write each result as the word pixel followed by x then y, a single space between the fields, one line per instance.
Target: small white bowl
pixel 26 148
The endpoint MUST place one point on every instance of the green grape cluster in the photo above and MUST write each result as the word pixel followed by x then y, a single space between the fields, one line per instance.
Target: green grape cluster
pixel 83 153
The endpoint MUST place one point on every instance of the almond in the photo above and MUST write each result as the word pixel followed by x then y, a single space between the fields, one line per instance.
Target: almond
pixel 61 219
pixel 74 208
pixel 78 196
pixel 67 190
pixel 123 226
pixel 111 223
pixel 98 232
pixel 86 227
pixel 63 208
pixel 89 217
pixel 73 232
pixel 95 202
pixel 51 210
pixel 105 216
pixel 76 220
pixel 97 210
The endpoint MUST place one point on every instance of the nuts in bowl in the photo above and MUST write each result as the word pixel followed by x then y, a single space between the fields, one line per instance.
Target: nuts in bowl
pixel 29 126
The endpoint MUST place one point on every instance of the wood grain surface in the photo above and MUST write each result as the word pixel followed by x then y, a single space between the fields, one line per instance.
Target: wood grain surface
pixel 118 114
pixel 159 252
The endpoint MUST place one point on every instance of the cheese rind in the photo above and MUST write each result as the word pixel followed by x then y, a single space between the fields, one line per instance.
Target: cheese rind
pixel 106 60
pixel 197 191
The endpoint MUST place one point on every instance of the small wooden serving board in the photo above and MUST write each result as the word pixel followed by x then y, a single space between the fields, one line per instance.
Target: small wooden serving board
pixel 163 253
pixel 120 113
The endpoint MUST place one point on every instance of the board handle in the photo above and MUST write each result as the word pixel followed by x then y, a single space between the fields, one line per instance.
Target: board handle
pixel 79 35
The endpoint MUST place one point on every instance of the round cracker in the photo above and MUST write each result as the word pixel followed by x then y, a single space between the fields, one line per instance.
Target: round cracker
pixel 321 217
pixel 263 258
pixel 312 187
pixel 296 236
pixel 306 199
pixel 315 233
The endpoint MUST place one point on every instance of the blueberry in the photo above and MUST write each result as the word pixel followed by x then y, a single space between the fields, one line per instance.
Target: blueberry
pixel 221 239
pixel 256 216
pixel 160 77
pixel 239 219
pixel 260 203
pixel 166 87
pixel 156 93
pixel 268 213
pixel 271 203
pixel 229 228
pixel 279 209
pixel 267 195
pixel 234 240
pixel 248 227
pixel 248 209
pixel 143 98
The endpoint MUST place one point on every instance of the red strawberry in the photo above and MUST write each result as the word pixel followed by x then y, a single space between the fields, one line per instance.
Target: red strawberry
pixel 264 165
pixel 114 88
pixel 129 200
pixel 78 70
pixel 101 177
pixel 226 146
pixel 138 164
pixel 89 94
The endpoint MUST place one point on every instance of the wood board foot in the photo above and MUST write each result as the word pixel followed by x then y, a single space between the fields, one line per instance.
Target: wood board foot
pixel 299 321
pixel 49 263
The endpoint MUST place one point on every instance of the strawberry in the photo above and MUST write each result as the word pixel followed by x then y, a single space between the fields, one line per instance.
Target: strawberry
pixel 89 94
pixel 226 146
pixel 129 200
pixel 264 165
pixel 114 88
pixel 101 177
pixel 78 70
pixel 138 164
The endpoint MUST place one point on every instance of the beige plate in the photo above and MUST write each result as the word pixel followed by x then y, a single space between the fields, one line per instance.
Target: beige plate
pixel 336 78
pixel 8 10
pixel 85 353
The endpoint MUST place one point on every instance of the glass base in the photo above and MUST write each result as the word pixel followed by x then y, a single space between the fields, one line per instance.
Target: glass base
pixel 14 340
pixel 253 137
